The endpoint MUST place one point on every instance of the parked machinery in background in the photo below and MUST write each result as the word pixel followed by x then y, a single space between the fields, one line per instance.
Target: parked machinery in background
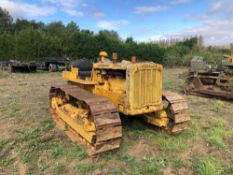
pixel 4 65
pixel 88 107
pixel 54 64
pixel 212 81
pixel 20 66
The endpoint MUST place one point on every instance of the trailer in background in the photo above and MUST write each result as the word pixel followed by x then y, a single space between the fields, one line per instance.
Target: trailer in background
pixel 18 66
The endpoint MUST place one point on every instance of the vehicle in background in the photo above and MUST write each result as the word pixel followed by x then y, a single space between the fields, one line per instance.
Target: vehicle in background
pixel 210 80
pixel 18 66
pixel 54 64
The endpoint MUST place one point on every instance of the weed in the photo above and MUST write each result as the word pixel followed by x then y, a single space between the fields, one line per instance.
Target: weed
pixel 17 130
pixel 171 144
pixel 107 156
pixel 217 142
pixel 162 162
pixel 58 151
pixel 42 167
pixel 2 143
pixel 178 163
pixel 125 158
pixel 88 168
pixel 209 166
pixel 48 125
pixel 14 109
pixel 76 152
pixel 217 122
pixel 150 166
pixel 30 134
pixel 119 171
pixel 29 157
pixel 5 161
pixel 215 137
pixel 218 104
pixel 228 170
pixel 196 128
pixel 59 168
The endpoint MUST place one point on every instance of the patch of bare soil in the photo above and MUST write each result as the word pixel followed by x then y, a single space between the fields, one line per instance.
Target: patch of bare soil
pixel 143 149
pixel 113 164
pixel 168 170
pixel 20 166
pixel 183 171
pixel 197 150
pixel 5 128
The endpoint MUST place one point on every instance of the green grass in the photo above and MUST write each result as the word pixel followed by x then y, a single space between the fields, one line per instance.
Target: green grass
pixel 209 166
pixel 48 125
pixel 119 171
pixel 146 165
pixel 219 105
pixel 168 143
pixel 174 86
pixel 30 134
pixel 125 158
pixel 228 170
pixel 73 151
pixel 217 133
pixel 5 161
pixel 13 109
pixel 178 163
pixel 150 165
pixel 58 151
pixel 59 168
pixel 136 128
pixel 88 168
pixel 76 152
pixel 29 156
pixel 211 130
pixel 2 143
pixel 215 137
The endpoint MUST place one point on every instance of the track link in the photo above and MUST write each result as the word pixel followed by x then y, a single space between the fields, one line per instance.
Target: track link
pixel 106 118
pixel 177 108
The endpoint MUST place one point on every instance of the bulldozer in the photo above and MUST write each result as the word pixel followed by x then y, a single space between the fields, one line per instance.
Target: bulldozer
pixel 207 80
pixel 88 107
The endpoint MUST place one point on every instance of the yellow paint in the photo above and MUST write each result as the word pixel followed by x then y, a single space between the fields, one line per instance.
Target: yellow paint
pixel 133 88
pixel 103 56
pixel 158 118
pixel 76 118
pixel 230 59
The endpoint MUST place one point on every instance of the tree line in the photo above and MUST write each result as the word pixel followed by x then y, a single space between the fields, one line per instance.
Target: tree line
pixel 30 40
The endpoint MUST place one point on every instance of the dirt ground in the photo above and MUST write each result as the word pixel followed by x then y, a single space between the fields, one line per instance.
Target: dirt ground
pixel 31 144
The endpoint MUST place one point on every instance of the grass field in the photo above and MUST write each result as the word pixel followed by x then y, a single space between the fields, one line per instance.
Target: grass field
pixel 31 144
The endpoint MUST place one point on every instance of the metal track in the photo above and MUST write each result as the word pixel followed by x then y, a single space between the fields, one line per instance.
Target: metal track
pixel 106 119
pixel 177 109
pixel 221 88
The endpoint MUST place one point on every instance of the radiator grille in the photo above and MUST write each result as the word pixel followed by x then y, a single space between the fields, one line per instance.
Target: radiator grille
pixel 147 85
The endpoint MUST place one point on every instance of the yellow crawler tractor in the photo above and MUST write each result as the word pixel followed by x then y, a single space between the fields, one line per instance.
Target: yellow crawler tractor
pixel 88 107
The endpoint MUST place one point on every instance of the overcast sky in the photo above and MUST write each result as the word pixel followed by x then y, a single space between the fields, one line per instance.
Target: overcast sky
pixel 144 20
